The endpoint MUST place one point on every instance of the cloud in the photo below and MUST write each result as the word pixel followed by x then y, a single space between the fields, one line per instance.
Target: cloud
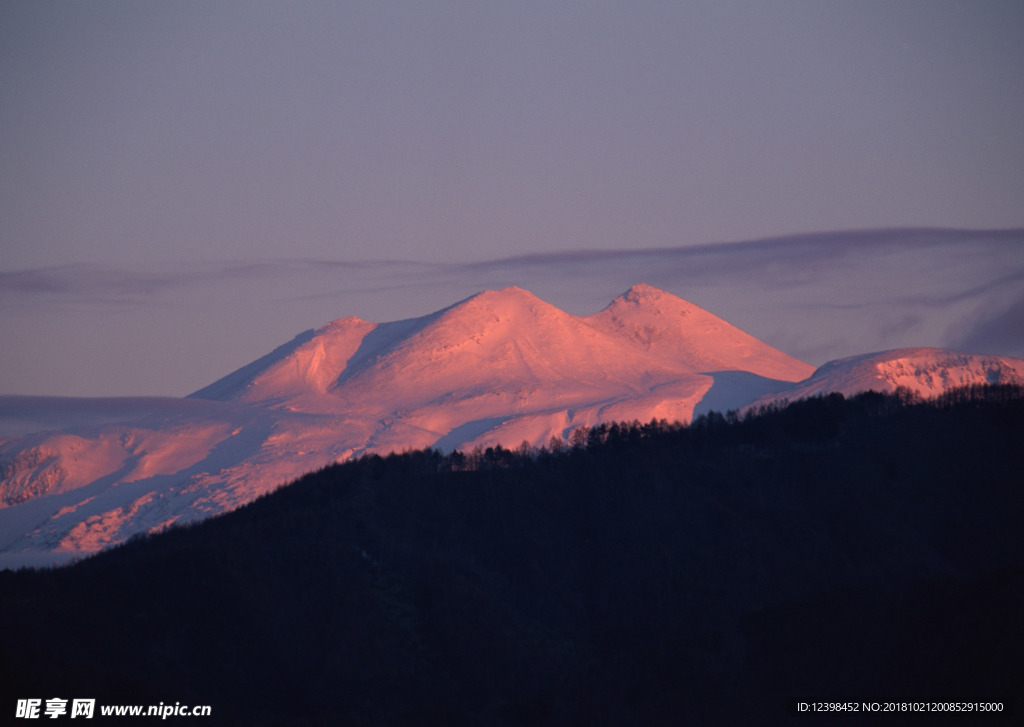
pixel 1000 331
pixel 776 263
pixel 85 284
pixel 97 285
pixel 817 297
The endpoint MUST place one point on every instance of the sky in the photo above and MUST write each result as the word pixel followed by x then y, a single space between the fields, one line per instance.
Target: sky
pixel 185 186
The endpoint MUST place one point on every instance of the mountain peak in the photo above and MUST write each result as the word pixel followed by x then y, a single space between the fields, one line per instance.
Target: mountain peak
pixel 642 292
pixel 512 295
pixel 484 308
pixel 644 299
pixel 675 329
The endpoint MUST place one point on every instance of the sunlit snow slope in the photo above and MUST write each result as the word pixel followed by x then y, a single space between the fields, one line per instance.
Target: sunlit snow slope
pixel 927 372
pixel 507 361
pixel 78 475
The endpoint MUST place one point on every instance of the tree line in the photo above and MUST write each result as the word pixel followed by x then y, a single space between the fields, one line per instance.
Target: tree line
pixel 636 574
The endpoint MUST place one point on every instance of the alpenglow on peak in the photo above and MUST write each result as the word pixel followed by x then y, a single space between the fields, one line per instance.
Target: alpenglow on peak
pixel 500 367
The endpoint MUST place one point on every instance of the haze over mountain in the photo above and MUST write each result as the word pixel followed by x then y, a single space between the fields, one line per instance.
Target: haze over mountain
pixel 501 367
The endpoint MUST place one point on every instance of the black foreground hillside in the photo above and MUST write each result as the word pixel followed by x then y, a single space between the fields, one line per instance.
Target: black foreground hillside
pixel 866 549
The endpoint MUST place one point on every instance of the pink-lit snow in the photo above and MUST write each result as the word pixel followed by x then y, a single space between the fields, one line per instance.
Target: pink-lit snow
pixel 503 366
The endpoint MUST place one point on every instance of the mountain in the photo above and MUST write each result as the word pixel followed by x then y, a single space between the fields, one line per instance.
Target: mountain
pixel 504 366
pixel 501 367
pixel 507 340
pixel 927 372
pixel 715 571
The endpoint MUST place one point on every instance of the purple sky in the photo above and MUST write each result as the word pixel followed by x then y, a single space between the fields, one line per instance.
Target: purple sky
pixel 187 185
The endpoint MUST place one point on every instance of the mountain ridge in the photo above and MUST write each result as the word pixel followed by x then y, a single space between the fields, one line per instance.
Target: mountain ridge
pixel 517 336
pixel 499 367
pixel 926 371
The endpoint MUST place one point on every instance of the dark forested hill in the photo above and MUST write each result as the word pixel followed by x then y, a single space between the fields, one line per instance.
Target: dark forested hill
pixel 866 549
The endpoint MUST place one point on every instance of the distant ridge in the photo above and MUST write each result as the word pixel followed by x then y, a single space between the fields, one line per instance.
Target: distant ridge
pixel 927 372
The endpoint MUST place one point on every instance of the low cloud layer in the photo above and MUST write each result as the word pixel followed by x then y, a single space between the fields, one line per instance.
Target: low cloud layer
pixel 85 330
pixel 992 331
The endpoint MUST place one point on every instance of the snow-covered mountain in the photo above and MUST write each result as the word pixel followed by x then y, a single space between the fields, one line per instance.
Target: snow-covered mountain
pixel 78 475
pixel 504 366
pixel 926 371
